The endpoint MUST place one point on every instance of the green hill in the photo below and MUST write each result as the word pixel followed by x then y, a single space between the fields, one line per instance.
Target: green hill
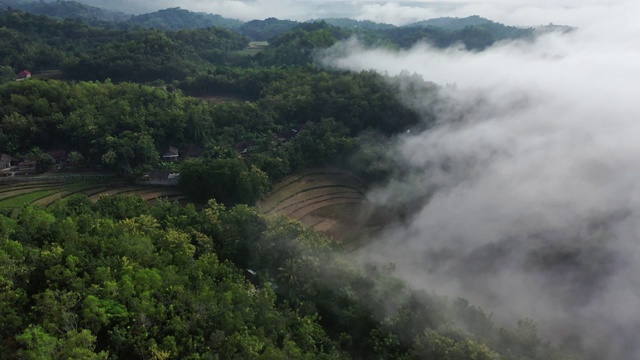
pixel 261 30
pixel 179 19
pixel 451 23
pixel 66 10
pixel 355 24
pixel 475 32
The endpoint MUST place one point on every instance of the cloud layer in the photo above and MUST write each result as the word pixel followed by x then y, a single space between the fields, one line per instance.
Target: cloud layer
pixel 534 169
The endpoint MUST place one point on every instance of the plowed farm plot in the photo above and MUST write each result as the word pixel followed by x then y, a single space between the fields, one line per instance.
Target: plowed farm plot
pixel 330 201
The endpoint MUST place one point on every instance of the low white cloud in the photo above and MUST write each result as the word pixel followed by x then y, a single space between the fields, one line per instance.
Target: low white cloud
pixel 533 163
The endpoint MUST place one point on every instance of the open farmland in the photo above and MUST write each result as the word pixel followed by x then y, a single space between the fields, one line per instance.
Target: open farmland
pixel 330 201
pixel 254 48
pixel 47 192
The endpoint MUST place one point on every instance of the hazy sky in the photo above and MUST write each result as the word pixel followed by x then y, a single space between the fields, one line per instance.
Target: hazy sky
pixel 535 164
pixel 534 12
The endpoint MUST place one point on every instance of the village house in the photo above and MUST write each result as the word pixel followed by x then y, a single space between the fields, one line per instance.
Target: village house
pixel 27 165
pixel 6 161
pixel 23 75
pixel 162 177
pixel 59 156
pixel 171 154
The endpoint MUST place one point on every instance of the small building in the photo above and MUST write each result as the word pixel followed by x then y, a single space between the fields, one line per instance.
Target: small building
pixel 23 75
pixel 6 161
pixel 59 156
pixel 27 165
pixel 162 177
pixel 171 154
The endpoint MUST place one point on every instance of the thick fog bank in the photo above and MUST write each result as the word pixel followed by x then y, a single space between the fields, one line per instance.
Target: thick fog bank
pixel 533 168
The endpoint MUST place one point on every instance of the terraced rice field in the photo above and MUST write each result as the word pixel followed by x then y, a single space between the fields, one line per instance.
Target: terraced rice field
pixel 254 48
pixel 45 193
pixel 328 200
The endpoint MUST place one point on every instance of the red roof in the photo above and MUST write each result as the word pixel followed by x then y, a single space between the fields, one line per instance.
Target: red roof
pixel 58 155
pixel 24 72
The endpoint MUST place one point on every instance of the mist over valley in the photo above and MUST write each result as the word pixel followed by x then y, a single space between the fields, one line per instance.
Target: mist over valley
pixel 322 179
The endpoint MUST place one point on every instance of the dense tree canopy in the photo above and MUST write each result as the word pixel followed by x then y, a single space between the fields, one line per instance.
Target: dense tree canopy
pixel 122 279
pixel 136 286
pixel 298 118
pixel 95 53
pixel 170 51
pixel 181 19
pixel 67 10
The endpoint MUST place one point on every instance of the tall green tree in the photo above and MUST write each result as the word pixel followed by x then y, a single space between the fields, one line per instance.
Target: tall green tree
pixel 226 180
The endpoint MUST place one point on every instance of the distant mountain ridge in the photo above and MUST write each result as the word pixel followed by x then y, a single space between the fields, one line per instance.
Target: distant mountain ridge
pixel 179 19
pixel 474 31
pixel 266 29
pixel 351 23
pixel 451 23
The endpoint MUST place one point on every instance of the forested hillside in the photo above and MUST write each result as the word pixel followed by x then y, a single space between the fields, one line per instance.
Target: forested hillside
pixel 97 53
pixel 181 19
pixel 66 10
pixel 475 32
pixel 124 127
pixel 119 278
